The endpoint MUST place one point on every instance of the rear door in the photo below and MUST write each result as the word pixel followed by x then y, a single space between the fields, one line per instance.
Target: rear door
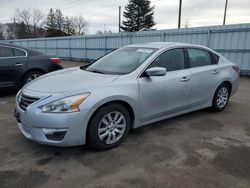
pixel 12 65
pixel 165 95
pixel 204 76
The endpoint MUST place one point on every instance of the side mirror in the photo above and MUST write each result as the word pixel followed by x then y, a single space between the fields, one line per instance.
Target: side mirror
pixel 156 71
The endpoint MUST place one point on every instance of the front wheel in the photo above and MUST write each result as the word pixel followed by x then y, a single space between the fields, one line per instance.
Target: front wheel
pixel 109 126
pixel 221 98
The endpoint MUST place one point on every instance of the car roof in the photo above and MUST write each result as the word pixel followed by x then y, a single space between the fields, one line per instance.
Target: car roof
pixel 164 45
pixel 29 51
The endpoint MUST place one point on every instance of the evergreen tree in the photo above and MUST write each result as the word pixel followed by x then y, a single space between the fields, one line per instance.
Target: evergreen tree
pixel 68 27
pixel 51 24
pixel 139 16
pixel 59 22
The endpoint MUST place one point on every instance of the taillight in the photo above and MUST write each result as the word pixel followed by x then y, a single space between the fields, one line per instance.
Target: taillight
pixel 55 60
pixel 237 69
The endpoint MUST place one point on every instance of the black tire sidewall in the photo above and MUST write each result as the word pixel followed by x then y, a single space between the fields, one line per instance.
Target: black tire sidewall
pixel 92 132
pixel 215 106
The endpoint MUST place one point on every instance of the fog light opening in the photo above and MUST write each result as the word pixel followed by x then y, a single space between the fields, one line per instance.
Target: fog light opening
pixel 54 134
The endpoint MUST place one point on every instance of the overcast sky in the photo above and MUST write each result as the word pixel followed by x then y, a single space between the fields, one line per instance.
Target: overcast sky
pixel 104 13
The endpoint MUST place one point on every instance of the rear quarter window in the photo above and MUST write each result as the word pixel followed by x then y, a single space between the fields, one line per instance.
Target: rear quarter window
pixel 18 52
pixel 215 58
pixel 199 57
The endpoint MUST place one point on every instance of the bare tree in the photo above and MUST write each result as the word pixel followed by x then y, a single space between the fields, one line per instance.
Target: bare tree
pixel 33 19
pixel 80 25
pixel 23 15
pixel 38 18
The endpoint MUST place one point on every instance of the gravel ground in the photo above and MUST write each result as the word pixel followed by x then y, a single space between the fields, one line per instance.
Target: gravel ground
pixel 199 149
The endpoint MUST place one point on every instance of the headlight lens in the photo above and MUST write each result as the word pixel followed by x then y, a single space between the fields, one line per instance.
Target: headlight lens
pixel 18 96
pixel 68 104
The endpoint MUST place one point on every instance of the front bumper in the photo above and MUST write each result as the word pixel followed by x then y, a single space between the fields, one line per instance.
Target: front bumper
pixel 57 129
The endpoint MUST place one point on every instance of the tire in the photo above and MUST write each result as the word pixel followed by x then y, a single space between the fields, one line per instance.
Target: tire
pixel 101 133
pixel 31 76
pixel 221 97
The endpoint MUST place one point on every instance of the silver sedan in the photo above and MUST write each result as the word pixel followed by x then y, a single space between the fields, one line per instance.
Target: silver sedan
pixel 126 89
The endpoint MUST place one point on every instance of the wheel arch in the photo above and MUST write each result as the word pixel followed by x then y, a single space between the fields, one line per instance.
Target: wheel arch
pixel 228 82
pixel 32 70
pixel 124 103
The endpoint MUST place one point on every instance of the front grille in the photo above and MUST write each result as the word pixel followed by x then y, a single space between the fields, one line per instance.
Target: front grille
pixel 25 101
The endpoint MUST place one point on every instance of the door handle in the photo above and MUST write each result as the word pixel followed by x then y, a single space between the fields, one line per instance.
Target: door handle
pixel 216 71
pixel 185 79
pixel 18 64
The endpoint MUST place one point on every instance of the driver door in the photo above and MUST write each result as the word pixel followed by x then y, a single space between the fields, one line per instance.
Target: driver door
pixel 165 95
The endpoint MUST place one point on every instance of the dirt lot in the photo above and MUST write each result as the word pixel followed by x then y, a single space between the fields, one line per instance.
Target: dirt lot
pixel 200 149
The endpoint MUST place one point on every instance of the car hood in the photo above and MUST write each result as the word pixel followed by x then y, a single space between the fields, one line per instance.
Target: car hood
pixel 66 80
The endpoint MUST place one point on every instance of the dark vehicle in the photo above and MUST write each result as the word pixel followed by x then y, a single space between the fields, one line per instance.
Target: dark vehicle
pixel 19 65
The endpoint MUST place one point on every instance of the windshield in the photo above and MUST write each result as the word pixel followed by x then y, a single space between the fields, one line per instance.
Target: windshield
pixel 121 61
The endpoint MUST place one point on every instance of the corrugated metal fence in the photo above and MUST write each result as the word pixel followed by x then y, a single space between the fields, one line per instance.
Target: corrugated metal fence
pixel 232 41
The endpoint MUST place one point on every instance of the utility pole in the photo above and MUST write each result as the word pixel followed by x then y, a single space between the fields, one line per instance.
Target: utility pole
pixel 225 13
pixel 119 19
pixel 179 18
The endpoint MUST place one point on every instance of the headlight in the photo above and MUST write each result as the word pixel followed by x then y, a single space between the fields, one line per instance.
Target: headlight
pixel 68 104
pixel 18 96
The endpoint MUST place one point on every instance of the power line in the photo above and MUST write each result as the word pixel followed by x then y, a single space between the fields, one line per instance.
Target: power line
pixel 66 4
pixel 104 8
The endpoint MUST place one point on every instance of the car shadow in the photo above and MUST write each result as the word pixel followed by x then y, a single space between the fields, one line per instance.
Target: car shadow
pixel 9 92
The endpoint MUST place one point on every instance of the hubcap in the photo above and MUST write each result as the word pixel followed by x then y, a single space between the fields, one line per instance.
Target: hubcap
pixel 222 97
pixel 32 77
pixel 112 127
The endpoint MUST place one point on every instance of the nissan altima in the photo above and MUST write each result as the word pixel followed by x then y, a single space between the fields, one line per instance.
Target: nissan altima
pixel 126 89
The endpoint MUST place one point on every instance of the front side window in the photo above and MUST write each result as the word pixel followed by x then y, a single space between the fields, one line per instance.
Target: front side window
pixel 199 58
pixel 171 60
pixel 121 61
pixel 6 52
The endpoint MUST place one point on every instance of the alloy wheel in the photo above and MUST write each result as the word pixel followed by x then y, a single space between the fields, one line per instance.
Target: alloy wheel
pixel 112 127
pixel 222 97
pixel 33 77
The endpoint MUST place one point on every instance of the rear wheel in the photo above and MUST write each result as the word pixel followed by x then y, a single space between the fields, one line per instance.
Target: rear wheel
pixel 109 126
pixel 32 76
pixel 221 98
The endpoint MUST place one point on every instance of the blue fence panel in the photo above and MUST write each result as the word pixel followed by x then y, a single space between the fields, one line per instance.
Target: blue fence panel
pixel 232 41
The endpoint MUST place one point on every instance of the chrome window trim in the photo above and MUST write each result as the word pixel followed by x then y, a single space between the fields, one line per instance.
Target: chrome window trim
pixel 177 47
pixel 26 53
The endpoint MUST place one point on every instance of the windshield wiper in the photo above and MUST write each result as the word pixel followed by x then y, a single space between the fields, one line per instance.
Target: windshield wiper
pixel 96 71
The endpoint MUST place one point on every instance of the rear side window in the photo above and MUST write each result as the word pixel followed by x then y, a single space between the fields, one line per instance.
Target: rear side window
pixel 6 52
pixel 199 57
pixel 18 52
pixel 171 60
pixel 215 58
